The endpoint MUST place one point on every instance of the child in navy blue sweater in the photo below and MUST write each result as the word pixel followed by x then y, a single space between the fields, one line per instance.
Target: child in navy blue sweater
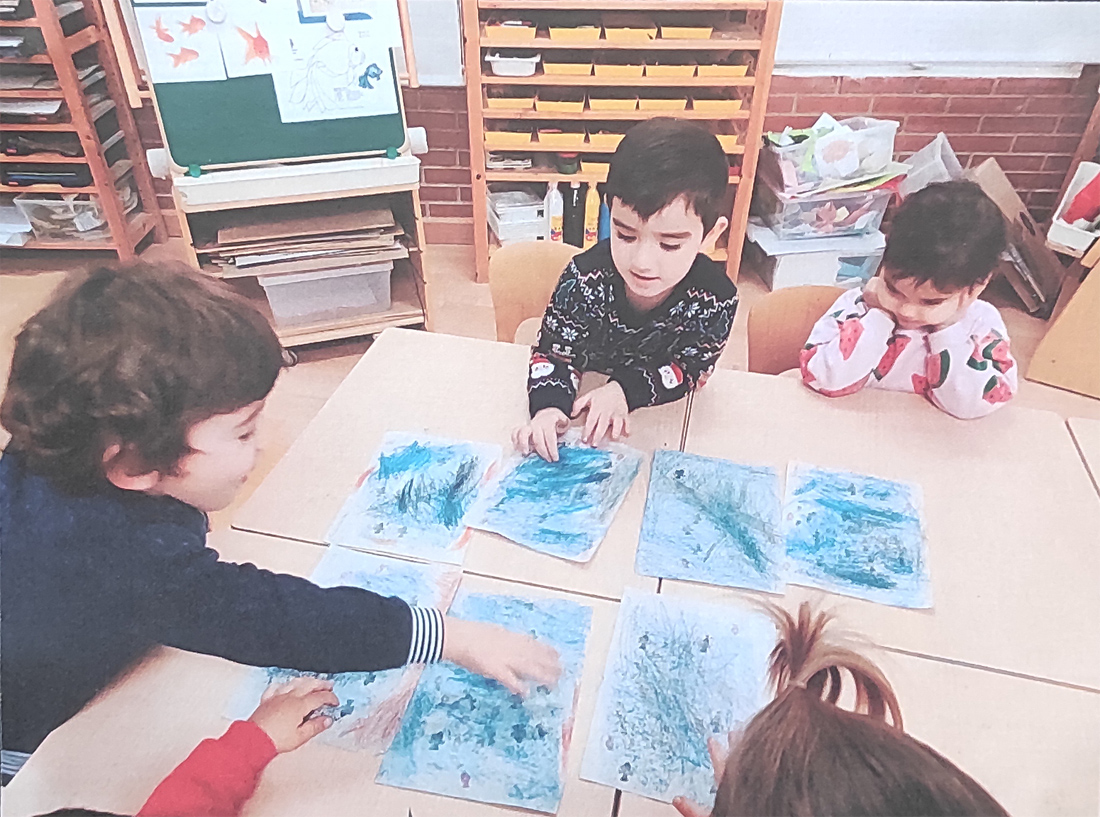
pixel 132 403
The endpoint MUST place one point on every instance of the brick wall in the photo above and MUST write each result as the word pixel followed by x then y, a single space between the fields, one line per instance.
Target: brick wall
pixel 1031 126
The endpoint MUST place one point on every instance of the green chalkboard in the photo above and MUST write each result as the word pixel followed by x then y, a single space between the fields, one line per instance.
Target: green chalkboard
pixel 237 121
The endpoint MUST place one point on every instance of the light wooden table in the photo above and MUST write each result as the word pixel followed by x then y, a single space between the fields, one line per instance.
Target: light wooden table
pixel 113 753
pixel 458 388
pixel 1010 515
pixel 1086 433
pixel 1035 746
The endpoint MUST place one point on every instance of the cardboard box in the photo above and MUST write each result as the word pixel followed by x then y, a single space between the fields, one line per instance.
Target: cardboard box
pixel 1036 273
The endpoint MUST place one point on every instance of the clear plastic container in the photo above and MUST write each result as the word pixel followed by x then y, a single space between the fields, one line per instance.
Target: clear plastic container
pixel 308 297
pixel 811 162
pixel 821 215
pixel 60 216
pixel 505 65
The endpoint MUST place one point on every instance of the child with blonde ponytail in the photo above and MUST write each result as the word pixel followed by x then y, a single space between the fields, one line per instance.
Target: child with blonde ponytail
pixel 804 755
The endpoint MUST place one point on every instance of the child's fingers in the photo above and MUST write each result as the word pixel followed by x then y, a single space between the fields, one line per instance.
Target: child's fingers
pixel 687 808
pixel 618 425
pixel 582 404
pixel 718 756
pixel 626 425
pixel 545 667
pixel 273 690
pixel 319 698
pixel 512 682
pixel 313 727
pixel 546 444
pixel 521 439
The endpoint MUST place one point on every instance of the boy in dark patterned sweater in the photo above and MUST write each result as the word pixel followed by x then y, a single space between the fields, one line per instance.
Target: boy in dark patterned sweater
pixel 644 307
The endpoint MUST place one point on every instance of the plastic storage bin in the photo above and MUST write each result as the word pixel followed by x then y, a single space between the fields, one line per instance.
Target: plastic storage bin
pixel 512 66
pixel 821 215
pixel 307 297
pixel 832 157
pixel 844 261
pixel 517 215
pixel 60 216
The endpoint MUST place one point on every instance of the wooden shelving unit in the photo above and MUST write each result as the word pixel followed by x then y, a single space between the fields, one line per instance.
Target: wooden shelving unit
pixel 740 34
pixel 80 37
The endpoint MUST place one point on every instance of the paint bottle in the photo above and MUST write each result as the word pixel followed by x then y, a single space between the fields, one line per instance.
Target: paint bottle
pixel 591 215
pixel 554 212
pixel 573 215
pixel 604 230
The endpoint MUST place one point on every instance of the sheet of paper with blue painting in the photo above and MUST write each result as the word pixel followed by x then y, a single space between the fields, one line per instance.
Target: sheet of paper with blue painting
pixel 857 535
pixel 563 508
pixel 371 703
pixel 678 672
pixel 711 520
pixel 466 736
pixel 414 498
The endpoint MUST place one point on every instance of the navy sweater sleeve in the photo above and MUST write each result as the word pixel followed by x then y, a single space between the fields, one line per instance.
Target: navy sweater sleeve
pixel 553 376
pixel 192 600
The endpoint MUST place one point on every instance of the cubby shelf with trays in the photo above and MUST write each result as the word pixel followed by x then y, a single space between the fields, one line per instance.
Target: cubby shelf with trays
pixel 723 52
pixel 80 36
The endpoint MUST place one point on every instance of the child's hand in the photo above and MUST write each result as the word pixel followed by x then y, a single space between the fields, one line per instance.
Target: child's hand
pixel 874 295
pixel 608 413
pixel 513 659
pixel 719 757
pixel 284 708
pixel 541 434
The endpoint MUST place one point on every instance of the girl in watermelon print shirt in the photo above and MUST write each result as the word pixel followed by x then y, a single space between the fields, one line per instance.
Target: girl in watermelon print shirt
pixel 918 325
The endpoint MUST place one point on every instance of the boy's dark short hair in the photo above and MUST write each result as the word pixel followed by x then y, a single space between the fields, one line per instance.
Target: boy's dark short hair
pixel 660 160
pixel 134 355
pixel 949 234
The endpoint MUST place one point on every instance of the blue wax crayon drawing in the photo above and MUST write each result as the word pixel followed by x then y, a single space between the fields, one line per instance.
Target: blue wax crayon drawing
pixel 563 508
pixel 711 520
pixel 371 703
pixel 415 498
pixel 678 672
pixel 857 535
pixel 466 736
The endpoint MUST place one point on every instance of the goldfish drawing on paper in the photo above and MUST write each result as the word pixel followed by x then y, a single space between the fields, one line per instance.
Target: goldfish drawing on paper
pixel 162 32
pixel 192 26
pixel 257 47
pixel 184 56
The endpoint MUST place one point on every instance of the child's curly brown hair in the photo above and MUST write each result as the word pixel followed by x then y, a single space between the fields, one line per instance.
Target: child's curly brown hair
pixel 135 356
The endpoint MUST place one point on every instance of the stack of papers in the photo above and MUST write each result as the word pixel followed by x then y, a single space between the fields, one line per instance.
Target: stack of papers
pixel 302 238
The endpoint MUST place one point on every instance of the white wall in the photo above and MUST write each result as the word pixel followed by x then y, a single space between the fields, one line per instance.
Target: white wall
pixel 867 38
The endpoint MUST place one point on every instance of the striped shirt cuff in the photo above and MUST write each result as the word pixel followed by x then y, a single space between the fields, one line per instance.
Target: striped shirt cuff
pixel 427 636
pixel 12 761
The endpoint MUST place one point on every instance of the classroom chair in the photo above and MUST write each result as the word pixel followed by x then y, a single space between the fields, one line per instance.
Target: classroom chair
pixel 522 278
pixel 780 322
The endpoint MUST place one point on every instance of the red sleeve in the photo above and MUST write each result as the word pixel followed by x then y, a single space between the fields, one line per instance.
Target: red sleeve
pixel 216 778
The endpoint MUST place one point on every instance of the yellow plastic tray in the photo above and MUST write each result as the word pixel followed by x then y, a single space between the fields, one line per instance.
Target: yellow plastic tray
pixel 506 139
pixel 728 141
pixel 559 105
pixel 680 71
pixel 723 70
pixel 717 106
pixel 509 34
pixel 630 35
pixel 612 104
pixel 573 69
pixel 662 104
pixel 506 103
pixel 686 32
pixel 605 141
pixel 619 71
pixel 599 169
pixel 561 141
pixel 576 34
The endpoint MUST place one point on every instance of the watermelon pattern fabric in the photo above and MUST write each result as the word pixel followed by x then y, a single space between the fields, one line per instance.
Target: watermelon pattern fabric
pixel 965 369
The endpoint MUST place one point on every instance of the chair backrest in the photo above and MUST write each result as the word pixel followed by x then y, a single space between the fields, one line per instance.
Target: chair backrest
pixel 780 322
pixel 522 278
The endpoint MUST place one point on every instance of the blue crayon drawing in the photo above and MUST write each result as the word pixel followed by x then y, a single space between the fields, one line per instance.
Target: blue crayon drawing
pixel 678 672
pixel 414 499
pixel 711 520
pixel 466 736
pixel 563 508
pixel 371 703
pixel 857 535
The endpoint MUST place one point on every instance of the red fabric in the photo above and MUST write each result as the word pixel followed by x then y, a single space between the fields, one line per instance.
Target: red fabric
pixel 216 778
